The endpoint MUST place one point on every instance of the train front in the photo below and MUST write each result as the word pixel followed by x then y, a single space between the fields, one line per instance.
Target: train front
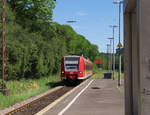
pixel 70 68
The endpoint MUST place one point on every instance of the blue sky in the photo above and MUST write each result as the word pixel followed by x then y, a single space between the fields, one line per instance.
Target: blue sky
pixel 93 19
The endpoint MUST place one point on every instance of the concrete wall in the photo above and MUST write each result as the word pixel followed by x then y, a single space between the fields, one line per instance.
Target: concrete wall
pixel 137 57
pixel 128 65
pixel 135 64
pixel 131 63
pixel 144 54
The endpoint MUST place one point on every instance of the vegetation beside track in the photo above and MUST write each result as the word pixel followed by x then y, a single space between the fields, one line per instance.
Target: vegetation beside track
pixel 25 88
pixel 35 44
pixel 99 74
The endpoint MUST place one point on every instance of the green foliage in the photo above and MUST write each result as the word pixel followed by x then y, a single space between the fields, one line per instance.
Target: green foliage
pixel 79 45
pixel 35 49
pixel 104 57
pixel 100 74
pixel 95 68
pixel 35 10
pixel 25 88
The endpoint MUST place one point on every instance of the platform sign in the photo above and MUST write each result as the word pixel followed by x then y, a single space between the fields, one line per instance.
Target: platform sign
pixel 119 45
pixel 119 50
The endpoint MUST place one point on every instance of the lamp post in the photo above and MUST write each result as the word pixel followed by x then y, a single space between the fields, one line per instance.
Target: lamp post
pixel 119 44
pixel 113 27
pixel 111 52
pixel 108 57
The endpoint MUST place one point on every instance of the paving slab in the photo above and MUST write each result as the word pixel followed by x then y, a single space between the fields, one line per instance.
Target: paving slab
pixel 101 97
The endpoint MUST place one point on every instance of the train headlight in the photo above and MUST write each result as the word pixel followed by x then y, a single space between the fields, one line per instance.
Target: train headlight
pixel 62 72
pixel 80 72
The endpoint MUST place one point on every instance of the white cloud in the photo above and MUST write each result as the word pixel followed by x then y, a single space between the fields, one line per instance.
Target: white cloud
pixel 79 27
pixel 81 13
pixel 76 27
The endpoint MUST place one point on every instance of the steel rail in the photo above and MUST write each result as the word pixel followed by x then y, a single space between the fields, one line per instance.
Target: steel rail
pixel 30 103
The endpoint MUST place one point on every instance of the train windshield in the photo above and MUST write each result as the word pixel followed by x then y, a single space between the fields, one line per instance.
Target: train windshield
pixel 71 63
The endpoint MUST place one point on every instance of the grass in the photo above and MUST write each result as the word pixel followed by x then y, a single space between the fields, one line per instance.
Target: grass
pixel 100 74
pixel 23 89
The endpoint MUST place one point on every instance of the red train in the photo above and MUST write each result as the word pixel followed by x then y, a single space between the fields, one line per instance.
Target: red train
pixel 75 68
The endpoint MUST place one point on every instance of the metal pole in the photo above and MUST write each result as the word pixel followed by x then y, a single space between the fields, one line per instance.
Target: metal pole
pixel 107 59
pixel 110 55
pixel 113 27
pixel 120 2
pixel 3 47
pixel 113 54
pixel 119 79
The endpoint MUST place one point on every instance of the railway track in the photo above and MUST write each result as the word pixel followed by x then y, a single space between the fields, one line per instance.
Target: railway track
pixel 40 103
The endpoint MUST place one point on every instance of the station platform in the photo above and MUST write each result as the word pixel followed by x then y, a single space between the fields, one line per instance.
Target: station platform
pixel 94 97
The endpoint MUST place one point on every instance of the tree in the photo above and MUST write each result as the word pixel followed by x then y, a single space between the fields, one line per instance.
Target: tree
pixel 32 12
pixel 35 49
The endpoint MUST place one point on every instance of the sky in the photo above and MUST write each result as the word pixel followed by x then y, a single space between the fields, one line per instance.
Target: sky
pixel 92 17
